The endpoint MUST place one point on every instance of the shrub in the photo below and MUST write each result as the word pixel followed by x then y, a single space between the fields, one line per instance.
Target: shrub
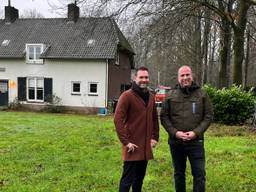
pixel 232 105
pixel 15 105
pixel 54 104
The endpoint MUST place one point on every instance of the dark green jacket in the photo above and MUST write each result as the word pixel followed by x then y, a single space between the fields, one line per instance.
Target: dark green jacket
pixel 186 112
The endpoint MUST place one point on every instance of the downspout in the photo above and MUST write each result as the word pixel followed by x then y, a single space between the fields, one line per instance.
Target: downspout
pixel 106 85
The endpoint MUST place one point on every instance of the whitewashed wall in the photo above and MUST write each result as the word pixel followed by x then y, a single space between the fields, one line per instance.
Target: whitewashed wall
pixel 62 72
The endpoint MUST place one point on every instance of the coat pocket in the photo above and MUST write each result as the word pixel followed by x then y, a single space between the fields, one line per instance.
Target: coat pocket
pixel 195 106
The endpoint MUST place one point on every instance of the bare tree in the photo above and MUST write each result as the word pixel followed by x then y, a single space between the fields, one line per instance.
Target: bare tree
pixel 165 16
pixel 31 13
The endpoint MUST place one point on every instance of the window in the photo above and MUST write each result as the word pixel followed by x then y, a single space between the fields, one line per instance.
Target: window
pixel 5 42
pixel 117 58
pixel 76 88
pixel 33 52
pixel 93 88
pixel 91 42
pixel 35 89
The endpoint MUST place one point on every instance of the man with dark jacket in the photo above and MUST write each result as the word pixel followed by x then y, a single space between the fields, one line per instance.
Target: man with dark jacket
pixel 186 114
pixel 137 129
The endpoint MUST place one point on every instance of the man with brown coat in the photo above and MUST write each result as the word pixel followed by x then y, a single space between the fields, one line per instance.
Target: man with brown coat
pixel 137 129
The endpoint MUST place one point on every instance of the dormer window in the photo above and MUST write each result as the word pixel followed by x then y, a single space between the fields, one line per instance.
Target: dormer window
pixel 33 52
pixel 5 43
pixel 91 42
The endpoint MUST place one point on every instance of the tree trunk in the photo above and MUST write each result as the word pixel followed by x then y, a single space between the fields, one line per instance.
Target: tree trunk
pixel 239 30
pixel 225 44
pixel 207 29
pixel 246 61
pixel 225 54
pixel 212 63
pixel 197 65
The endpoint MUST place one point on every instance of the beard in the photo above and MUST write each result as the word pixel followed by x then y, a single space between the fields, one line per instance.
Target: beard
pixel 143 85
pixel 186 84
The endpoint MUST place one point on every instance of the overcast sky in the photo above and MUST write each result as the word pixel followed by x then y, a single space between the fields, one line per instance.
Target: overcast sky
pixel 40 6
pixel 43 7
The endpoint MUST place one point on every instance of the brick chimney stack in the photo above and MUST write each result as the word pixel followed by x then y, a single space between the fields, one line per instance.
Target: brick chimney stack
pixel 73 12
pixel 11 13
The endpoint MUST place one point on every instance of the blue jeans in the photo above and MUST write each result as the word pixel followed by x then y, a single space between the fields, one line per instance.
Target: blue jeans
pixel 194 151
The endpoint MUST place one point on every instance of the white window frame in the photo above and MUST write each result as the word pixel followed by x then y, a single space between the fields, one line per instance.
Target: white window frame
pixel 34 60
pixel 72 86
pixel 35 79
pixel 89 87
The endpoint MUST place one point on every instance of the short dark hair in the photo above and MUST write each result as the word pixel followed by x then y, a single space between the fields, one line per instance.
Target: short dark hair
pixel 141 69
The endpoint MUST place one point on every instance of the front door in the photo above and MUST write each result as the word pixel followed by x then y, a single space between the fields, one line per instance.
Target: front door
pixel 4 97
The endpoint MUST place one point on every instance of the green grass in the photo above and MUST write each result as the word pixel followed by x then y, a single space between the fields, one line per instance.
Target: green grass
pixel 60 152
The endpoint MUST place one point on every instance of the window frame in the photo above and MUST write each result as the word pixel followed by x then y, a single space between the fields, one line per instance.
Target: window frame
pixel 72 88
pixel 34 60
pixel 89 89
pixel 117 58
pixel 36 89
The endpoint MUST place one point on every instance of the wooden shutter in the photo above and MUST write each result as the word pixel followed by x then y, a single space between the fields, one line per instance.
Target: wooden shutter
pixel 22 88
pixel 48 89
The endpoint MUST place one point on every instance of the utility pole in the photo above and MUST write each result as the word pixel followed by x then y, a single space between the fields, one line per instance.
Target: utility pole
pixel 158 78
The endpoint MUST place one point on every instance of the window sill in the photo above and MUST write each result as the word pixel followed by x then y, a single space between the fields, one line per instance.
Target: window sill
pixel 93 94
pixel 77 94
pixel 35 62
pixel 35 101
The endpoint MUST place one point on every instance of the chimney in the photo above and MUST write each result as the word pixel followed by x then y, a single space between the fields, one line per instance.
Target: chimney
pixel 73 12
pixel 11 14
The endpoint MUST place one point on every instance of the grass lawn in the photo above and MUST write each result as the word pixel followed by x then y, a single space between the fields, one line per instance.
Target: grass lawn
pixel 60 152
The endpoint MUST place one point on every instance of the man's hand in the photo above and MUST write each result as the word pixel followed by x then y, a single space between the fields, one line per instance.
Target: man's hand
pixel 131 147
pixel 190 135
pixel 185 136
pixel 153 143
pixel 181 135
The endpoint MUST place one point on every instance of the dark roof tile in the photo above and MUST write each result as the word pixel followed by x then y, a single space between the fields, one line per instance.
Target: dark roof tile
pixel 64 39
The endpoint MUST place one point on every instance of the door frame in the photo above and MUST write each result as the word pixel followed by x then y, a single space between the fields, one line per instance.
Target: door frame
pixel 6 102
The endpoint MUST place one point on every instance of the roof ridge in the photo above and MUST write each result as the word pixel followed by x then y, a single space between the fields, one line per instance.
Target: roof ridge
pixel 59 18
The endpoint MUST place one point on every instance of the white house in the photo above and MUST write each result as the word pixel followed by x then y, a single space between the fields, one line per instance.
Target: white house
pixel 84 61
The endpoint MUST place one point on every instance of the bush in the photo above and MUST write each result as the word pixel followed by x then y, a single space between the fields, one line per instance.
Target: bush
pixel 54 104
pixel 15 105
pixel 232 105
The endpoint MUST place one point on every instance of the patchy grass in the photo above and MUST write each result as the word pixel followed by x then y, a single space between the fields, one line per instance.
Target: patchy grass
pixel 220 130
pixel 75 153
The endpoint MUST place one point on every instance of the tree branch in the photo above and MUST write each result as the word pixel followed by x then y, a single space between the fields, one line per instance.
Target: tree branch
pixel 253 2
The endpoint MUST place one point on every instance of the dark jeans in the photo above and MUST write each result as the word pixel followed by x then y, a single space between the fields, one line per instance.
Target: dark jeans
pixel 196 155
pixel 133 175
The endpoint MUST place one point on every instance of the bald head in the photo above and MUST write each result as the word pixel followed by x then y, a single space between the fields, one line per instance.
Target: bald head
pixel 185 77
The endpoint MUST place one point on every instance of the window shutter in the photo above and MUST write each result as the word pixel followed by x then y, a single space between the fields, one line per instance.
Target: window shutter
pixel 48 89
pixel 22 89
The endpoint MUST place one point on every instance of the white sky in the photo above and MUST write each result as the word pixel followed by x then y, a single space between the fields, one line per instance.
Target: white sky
pixel 40 6
pixel 43 7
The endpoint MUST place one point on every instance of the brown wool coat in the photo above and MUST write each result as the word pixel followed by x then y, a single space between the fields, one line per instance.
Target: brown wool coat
pixel 136 123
